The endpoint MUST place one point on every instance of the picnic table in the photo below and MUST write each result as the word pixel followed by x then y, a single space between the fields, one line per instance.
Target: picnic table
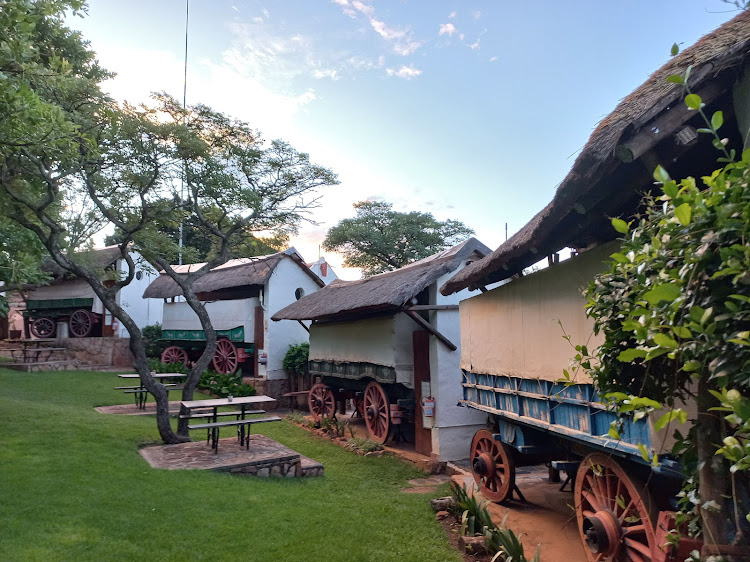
pixel 33 350
pixel 139 391
pixel 197 409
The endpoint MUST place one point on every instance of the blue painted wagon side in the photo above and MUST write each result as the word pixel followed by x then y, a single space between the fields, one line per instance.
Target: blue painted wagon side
pixel 572 413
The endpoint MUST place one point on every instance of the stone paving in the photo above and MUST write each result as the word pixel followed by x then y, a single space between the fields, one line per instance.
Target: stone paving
pixel 265 457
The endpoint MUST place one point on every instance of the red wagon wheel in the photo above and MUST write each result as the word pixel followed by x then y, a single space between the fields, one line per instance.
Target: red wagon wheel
pixel 321 401
pixel 377 412
pixel 174 354
pixel 43 327
pixel 616 514
pixel 225 358
pixel 80 323
pixel 493 466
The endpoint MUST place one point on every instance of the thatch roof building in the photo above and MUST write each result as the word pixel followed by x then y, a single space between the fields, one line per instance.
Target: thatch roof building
pixel 381 294
pixel 651 125
pixel 242 272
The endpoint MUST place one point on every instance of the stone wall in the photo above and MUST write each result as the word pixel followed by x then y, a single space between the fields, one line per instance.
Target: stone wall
pixel 273 388
pixel 113 352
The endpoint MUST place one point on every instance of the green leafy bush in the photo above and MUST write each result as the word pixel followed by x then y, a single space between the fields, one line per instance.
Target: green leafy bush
pixel 156 366
pixel 151 337
pixel 223 385
pixel 295 360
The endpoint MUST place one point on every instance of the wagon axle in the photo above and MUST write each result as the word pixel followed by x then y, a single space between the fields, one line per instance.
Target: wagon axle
pixel 602 532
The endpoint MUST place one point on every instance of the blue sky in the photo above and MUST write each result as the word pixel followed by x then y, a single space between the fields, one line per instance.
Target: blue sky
pixel 470 110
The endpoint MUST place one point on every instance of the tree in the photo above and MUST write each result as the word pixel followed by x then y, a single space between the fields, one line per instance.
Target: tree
pixel 674 309
pixel 380 239
pixel 71 144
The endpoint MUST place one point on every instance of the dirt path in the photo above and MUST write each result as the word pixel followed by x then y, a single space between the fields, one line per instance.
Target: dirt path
pixel 546 519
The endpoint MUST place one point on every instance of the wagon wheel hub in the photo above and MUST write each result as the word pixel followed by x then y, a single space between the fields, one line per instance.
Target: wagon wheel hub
pixel 602 532
pixel 483 464
pixel 370 412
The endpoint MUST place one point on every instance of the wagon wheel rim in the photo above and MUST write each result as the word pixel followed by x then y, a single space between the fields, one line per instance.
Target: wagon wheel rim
pixel 377 412
pixel 43 327
pixel 615 513
pixel 174 354
pixel 492 466
pixel 225 357
pixel 80 323
pixel 321 401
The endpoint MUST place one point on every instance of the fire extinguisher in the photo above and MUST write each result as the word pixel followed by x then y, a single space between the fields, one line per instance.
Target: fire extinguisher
pixel 428 411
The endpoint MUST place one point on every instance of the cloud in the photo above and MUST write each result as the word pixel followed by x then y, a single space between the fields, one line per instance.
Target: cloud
pixel 408 48
pixel 474 46
pixel 328 73
pixel 477 14
pixel 447 29
pixel 257 19
pixel 452 15
pixel 493 59
pixel 401 39
pixel 406 72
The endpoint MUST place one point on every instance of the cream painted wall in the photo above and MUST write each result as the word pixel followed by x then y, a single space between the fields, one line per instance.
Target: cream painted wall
pixel 224 315
pixel 514 330
pixel 369 341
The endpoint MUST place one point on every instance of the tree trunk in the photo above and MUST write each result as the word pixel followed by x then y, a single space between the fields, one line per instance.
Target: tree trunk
pixel 713 473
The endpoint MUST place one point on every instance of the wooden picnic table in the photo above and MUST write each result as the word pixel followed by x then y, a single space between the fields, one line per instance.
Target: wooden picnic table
pixel 31 350
pixel 139 391
pixel 244 403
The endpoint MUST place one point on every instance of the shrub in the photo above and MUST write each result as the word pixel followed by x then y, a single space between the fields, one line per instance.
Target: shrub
pixel 224 385
pixel 363 444
pixel 295 360
pixel 151 339
pixel 155 365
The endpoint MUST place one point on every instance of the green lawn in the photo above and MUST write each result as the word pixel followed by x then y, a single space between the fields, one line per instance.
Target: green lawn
pixel 73 487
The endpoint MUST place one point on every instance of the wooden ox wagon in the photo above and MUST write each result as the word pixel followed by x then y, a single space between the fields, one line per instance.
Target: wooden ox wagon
pixel 238 296
pixel 387 342
pixel 513 351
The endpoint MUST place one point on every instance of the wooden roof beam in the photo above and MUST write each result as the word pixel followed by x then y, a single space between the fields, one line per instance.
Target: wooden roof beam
pixel 430 328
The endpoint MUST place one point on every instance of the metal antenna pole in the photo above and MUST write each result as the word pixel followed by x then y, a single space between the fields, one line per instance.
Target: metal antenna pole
pixel 184 104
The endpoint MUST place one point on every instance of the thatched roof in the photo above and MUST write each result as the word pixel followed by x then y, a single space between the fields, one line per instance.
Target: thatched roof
pixel 383 293
pixel 602 181
pixel 99 258
pixel 234 273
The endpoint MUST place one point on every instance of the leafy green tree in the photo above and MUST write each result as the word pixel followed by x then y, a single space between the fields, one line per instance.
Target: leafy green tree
pixel 674 309
pixel 64 145
pixel 380 239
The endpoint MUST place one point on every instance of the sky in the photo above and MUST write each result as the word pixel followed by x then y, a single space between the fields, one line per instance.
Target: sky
pixel 469 110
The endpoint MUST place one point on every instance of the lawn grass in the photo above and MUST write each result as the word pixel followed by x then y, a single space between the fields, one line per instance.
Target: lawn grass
pixel 74 487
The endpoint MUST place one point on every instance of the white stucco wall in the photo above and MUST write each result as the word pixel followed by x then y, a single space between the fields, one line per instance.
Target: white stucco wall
pixel 453 426
pixel 279 292
pixel 514 330
pixel 317 269
pixel 144 312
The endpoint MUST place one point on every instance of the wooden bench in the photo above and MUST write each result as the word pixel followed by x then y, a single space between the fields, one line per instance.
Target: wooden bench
pixel 214 428
pixel 291 395
pixel 221 414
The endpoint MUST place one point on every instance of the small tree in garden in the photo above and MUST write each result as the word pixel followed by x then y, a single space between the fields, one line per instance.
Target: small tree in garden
pixel 71 159
pixel 674 307
pixel 295 363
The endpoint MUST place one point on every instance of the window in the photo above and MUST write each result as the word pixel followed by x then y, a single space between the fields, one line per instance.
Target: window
pixel 299 293
pixel 139 275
